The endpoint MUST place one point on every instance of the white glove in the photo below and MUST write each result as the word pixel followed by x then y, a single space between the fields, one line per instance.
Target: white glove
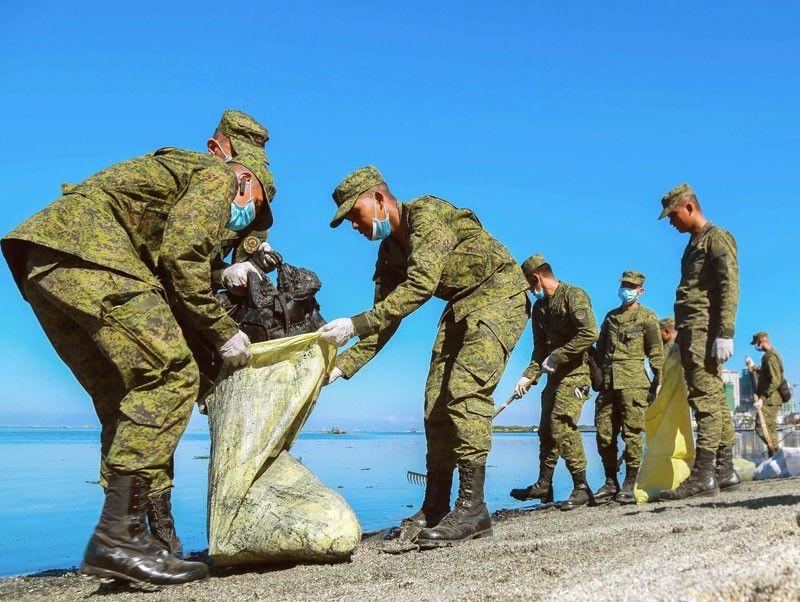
pixel 759 403
pixel 235 276
pixel 270 258
pixel 337 332
pixel 748 361
pixel 334 375
pixel 548 365
pixel 234 351
pixel 523 384
pixel 722 349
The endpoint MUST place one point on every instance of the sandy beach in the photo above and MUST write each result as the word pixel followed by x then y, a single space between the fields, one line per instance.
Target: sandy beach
pixel 740 545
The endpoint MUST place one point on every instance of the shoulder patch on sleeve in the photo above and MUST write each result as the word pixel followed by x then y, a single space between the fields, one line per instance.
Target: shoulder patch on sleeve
pixel 580 314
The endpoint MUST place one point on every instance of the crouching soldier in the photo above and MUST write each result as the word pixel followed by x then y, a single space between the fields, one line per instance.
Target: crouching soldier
pixel 97 267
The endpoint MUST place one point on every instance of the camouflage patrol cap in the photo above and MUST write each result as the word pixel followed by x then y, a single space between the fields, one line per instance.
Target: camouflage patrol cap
pixel 255 160
pixel 671 199
pixel 667 323
pixel 350 188
pixel 532 263
pixel 758 335
pixel 241 127
pixel 633 277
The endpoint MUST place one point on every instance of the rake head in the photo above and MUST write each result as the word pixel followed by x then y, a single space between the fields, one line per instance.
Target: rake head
pixel 417 478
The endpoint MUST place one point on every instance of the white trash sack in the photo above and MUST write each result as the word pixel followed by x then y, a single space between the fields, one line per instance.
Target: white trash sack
pixel 784 463
pixel 264 506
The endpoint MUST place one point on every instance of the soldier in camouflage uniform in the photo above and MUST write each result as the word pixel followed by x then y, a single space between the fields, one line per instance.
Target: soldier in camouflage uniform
pixel 668 335
pixel 98 266
pixel 629 334
pixel 705 312
pixel 564 329
pixel 237 131
pixel 431 248
pixel 770 375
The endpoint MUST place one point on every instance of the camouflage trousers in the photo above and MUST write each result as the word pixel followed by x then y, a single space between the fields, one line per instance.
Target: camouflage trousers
pixel 715 429
pixel 468 359
pixel 770 412
pixel 120 340
pixel 558 427
pixel 620 411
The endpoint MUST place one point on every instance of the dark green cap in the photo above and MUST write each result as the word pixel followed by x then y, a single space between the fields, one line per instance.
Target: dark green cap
pixel 671 199
pixel 241 127
pixel 255 160
pixel 667 323
pixel 532 263
pixel 633 277
pixel 350 188
pixel 758 335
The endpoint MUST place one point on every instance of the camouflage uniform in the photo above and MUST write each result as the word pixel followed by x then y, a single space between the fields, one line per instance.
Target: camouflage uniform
pixel 564 328
pixel 705 309
pixel 627 336
pixel 770 375
pixel 98 266
pixel 446 253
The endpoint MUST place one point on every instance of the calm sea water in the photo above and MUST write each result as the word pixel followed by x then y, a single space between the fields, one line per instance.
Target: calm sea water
pixel 49 501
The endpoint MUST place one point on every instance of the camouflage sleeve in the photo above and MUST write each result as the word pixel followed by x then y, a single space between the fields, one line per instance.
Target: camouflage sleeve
pixel 539 352
pixel 582 318
pixel 356 357
pixel 431 241
pixel 769 376
pixel 725 266
pixel 192 231
pixel 602 344
pixel 653 347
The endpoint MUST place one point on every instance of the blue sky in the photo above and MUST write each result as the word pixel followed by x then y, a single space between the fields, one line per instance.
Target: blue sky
pixel 560 125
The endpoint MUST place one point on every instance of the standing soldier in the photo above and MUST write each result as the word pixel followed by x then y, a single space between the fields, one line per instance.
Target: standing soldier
pixel 431 248
pixel 629 334
pixel 237 131
pixel 564 329
pixel 97 267
pixel 770 376
pixel 668 335
pixel 705 312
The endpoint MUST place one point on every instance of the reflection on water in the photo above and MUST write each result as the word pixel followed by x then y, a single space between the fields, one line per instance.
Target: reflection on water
pixel 50 502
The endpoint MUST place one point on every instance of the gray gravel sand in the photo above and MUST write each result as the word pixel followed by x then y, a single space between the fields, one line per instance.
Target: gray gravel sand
pixel 740 545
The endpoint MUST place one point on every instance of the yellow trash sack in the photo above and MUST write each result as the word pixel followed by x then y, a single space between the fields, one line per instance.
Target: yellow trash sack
pixel 264 506
pixel 669 453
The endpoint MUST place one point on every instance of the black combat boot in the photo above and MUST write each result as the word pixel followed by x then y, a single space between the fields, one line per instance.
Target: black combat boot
pixel 581 494
pixel 725 474
pixel 122 548
pixel 626 494
pixel 162 524
pixel 610 488
pixel 470 518
pixel 701 480
pixel 436 504
pixel 542 489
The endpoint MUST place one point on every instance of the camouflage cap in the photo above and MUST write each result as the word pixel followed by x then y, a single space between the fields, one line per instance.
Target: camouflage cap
pixel 758 335
pixel 633 277
pixel 667 323
pixel 255 160
pixel 241 127
pixel 669 200
pixel 350 188
pixel 532 263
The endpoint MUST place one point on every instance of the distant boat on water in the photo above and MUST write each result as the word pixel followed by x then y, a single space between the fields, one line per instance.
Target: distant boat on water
pixel 336 431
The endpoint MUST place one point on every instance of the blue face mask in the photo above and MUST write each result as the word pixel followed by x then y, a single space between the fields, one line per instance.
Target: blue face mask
pixel 241 217
pixel 540 295
pixel 381 228
pixel 628 295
